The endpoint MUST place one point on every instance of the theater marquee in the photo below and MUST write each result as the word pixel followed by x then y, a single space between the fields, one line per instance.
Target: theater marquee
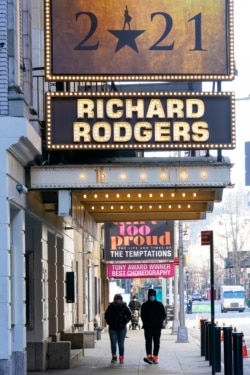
pixel 111 40
pixel 140 121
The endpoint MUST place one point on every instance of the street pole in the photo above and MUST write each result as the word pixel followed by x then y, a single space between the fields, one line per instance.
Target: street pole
pixel 176 322
pixel 182 335
pixel 212 302
pixel 187 276
pixel 208 239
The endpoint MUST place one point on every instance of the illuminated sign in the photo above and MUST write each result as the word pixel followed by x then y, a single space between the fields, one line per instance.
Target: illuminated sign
pixel 139 240
pixel 89 40
pixel 140 121
pixel 138 270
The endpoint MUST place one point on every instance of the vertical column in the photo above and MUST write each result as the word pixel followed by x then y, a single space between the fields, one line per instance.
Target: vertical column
pixel 182 335
pixel 52 277
pixel 18 292
pixel 5 277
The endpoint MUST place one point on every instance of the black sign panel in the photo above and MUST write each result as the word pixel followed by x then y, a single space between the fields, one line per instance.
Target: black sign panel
pixel 142 121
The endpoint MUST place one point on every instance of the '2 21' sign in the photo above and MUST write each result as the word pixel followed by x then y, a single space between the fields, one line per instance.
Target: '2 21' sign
pixel 169 40
pixel 127 37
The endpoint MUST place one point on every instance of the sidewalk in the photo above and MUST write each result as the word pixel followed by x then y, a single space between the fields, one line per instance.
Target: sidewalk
pixel 174 358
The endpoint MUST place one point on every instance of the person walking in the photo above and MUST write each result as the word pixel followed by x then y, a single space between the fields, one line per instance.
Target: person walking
pixel 135 308
pixel 117 316
pixel 134 304
pixel 153 315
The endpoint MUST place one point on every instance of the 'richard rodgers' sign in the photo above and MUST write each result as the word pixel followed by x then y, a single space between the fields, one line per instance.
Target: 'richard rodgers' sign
pixel 146 121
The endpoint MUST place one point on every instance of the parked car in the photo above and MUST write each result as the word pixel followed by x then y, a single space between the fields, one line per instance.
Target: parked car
pixel 196 297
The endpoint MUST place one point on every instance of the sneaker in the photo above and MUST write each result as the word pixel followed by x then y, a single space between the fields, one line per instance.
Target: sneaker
pixel 148 359
pixel 155 359
pixel 114 359
pixel 121 359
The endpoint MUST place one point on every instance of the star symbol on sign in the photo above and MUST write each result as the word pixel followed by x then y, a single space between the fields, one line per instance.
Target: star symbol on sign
pixel 126 37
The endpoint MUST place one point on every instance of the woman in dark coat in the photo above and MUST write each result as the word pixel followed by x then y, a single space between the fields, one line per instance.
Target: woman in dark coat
pixel 153 315
pixel 117 316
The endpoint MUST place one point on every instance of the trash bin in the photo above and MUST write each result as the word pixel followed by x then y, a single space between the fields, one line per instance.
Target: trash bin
pixel 98 333
pixel 189 307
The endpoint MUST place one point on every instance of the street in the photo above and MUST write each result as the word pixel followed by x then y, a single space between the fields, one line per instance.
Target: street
pixel 239 321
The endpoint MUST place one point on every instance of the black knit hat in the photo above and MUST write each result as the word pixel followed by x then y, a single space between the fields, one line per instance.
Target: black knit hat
pixel 117 296
pixel 151 292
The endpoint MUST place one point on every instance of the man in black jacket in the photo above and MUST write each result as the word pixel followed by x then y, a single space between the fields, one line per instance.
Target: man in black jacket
pixel 117 316
pixel 152 315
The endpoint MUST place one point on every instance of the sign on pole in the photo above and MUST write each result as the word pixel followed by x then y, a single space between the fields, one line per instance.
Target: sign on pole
pixel 206 237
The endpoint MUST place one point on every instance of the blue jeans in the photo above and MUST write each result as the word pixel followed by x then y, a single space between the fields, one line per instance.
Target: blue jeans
pixel 117 336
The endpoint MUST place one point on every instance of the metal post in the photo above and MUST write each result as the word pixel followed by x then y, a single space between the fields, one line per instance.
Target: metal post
pixel 212 302
pixel 207 239
pixel 207 351
pixel 237 353
pixel 182 335
pixel 217 359
pixel 203 336
pixel 228 360
pixel 176 322
pixel 164 290
pixel 187 276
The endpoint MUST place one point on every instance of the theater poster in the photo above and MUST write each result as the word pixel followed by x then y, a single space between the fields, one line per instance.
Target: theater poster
pixel 139 40
pixel 140 270
pixel 139 241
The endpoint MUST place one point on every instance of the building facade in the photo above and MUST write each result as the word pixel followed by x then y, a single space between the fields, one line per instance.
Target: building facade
pixel 52 278
pixel 38 247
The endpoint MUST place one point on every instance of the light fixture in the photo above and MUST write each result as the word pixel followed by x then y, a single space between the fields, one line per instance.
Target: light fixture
pixel 102 175
pixel 90 243
pixel 204 174
pixel 183 174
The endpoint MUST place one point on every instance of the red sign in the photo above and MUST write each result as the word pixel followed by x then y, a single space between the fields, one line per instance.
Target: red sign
pixel 134 270
pixel 206 237
pixel 176 261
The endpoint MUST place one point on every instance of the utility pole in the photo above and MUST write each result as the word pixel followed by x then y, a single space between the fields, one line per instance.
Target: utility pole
pixel 182 335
